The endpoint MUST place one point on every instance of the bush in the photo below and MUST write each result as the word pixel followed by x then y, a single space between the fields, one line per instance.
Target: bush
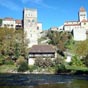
pixel 58 60
pixel 76 62
pixel 22 64
pixel 39 62
pixel 61 68
pixel 20 60
pixel 1 60
pixel 85 59
pixel 32 68
pixel 9 62
pixel 23 67
pixel 48 62
pixel 43 63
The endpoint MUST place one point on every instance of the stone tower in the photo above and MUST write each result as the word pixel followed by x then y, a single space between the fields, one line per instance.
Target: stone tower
pixel 30 25
pixel 82 14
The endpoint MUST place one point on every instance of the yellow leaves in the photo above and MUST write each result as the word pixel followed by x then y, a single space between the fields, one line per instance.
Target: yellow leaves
pixel 82 48
pixel 9 38
pixel 20 60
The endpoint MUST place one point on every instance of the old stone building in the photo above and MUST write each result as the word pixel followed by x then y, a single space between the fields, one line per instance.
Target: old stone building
pixel 79 27
pixel 82 21
pixel 31 26
pixel 11 23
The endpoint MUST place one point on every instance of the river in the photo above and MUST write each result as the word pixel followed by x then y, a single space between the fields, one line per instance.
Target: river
pixel 43 81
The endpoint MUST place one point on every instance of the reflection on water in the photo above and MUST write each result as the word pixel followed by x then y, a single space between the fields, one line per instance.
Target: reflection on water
pixel 42 81
pixel 74 84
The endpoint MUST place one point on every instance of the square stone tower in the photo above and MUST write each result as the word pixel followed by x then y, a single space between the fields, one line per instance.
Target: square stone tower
pixel 30 25
pixel 82 14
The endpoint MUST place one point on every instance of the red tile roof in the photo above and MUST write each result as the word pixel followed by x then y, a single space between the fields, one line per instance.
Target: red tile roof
pixel 84 20
pixel 72 25
pixel 42 49
pixel 18 21
pixel 8 19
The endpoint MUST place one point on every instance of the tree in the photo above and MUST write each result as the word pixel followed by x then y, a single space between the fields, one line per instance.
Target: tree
pixel 77 62
pixel 20 60
pixel 22 64
pixel 59 39
pixel 12 43
pixel 54 37
pixel 0 22
pixel 23 67
pixel 81 48
pixel 85 59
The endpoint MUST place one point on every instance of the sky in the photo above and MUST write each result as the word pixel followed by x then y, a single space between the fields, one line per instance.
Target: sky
pixel 52 13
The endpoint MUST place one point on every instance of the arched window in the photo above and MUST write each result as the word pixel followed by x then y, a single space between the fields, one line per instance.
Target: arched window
pixel 38 28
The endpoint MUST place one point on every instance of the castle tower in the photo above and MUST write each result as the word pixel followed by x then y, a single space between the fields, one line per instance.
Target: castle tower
pixel 82 14
pixel 30 26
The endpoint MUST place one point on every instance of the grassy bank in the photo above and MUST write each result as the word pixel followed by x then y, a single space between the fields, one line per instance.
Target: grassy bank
pixel 7 68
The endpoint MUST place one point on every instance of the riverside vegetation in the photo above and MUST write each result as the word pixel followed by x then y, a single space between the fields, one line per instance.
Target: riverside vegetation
pixel 14 53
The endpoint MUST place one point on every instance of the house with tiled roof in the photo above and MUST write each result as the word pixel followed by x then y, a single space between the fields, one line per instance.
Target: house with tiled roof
pixel 42 51
pixel 18 24
pixel 11 23
pixel 8 22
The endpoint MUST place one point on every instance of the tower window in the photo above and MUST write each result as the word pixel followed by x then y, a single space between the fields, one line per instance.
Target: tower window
pixel 37 28
pixel 28 20
pixel 31 35
pixel 33 20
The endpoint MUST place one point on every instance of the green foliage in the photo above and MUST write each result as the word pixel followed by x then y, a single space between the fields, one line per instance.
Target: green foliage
pixel 23 67
pixel 16 52
pixel 76 68
pixel 60 68
pixel 54 37
pixel 58 60
pixel 0 21
pixel 12 42
pixel 76 62
pixel 81 48
pixel 7 68
pixel 32 68
pixel 59 39
pixel 70 44
pixel 1 59
pixel 9 62
pixel 22 64
pixel 85 59
pixel 20 60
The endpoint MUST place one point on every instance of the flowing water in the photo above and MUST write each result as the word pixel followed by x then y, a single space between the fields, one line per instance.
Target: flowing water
pixel 43 81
